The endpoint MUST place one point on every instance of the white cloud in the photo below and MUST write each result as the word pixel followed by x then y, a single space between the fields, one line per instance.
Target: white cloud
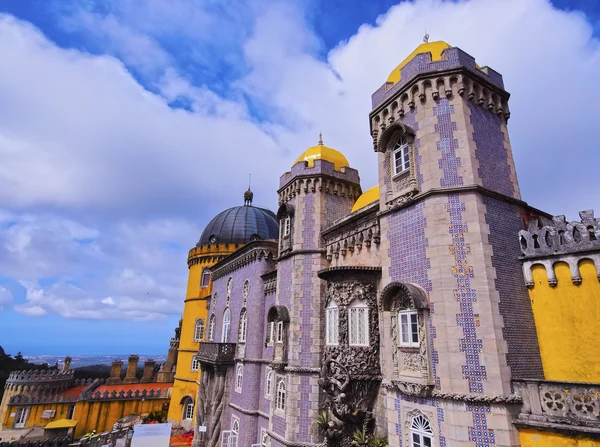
pixel 86 149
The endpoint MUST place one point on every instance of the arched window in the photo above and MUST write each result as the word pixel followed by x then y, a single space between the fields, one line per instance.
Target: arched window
pixel 270 332
pixel 358 323
pixel 243 326
pixel 269 383
pixel 211 328
pixel 239 377
pixel 226 325
pixel 199 329
pixel 287 226
pixel 188 408
pixel 421 434
pixel 280 398
pixel 401 156
pixel 332 321
pixel 280 332
pixel 195 364
pixel 235 426
pixel 205 280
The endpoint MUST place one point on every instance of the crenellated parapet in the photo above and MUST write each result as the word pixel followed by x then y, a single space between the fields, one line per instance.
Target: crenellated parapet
pixel 424 80
pixel 36 395
pixel 560 241
pixel 39 375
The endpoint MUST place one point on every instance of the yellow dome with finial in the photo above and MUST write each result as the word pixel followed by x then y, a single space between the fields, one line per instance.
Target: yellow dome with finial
pixel 322 152
pixel 435 48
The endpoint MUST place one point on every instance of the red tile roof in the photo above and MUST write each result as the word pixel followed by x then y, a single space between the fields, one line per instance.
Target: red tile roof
pixel 72 393
pixel 133 387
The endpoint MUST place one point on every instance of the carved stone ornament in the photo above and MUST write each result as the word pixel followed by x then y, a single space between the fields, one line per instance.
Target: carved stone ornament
pixel 413 389
pixel 402 200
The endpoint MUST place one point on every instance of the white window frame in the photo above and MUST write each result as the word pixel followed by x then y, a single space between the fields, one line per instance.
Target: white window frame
pixel 211 328
pixel 269 382
pixel 239 377
pixel 264 437
pixel 188 409
pixel 21 416
pixel 270 333
pixel 332 323
pixel 243 326
pixel 235 425
pixel 205 273
pixel 226 326
pixel 358 331
pixel 199 335
pixel 71 411
pixel 279 332
pixel 420 428
pixel 411 322
pixel 287 226
pixel 228 439
pixel 403 150
pixel 280 395
pixel 195 364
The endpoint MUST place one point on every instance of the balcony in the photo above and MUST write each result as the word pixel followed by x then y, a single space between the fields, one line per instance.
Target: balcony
pixel 217 354
pixel 563 406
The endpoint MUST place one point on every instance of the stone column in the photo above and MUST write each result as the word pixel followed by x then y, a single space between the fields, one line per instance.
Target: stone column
pixel 115 373
pixel 148 371
pixel 132 369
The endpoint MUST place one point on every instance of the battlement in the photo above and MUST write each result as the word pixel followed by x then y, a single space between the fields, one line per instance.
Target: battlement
pixel 39 375
pixel 561 237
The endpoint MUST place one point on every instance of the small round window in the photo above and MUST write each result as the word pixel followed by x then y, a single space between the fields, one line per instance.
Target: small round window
pixel 213 239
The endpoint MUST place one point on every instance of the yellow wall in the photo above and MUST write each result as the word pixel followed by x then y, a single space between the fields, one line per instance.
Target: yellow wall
pixel 93 415
pixel 567 319
pixel 186 381
pixel 533 438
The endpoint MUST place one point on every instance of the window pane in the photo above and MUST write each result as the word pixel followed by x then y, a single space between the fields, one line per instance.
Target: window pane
pixel 426 441
pixel 404 328
pixel 416 440
pixel 414 328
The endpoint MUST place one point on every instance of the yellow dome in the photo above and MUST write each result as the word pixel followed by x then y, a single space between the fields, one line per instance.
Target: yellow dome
pixel 321 152
pixel 366 198
pixel 435 48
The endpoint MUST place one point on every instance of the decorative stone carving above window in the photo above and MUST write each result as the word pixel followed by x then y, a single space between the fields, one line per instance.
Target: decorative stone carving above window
pixel 407 306
pixel 285 215
pixel 398 140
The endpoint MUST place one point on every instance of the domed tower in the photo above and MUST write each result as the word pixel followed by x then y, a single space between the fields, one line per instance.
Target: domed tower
pixel 225 233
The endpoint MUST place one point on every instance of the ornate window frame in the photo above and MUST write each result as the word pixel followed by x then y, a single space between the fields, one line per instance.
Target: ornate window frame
pixel 280 395
pixel 243 326
pixel 413 424
pixel 226 324
pixel 285 215
pixel 239 377
pixel 269 382
pixel 358 323
pixel 332 324
pixel 410 361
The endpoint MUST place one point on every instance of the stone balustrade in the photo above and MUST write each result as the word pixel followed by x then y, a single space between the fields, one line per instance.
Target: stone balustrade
pixel 569 406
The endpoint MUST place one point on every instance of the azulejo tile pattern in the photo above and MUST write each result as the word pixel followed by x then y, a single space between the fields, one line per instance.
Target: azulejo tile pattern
pixel 473 371
pixel 479 433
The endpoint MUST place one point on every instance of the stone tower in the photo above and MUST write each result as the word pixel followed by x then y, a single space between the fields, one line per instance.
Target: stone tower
pixel 320 189
pixel 449 209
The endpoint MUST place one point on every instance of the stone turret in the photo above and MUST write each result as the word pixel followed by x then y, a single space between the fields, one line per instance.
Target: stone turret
pixel 115 373
pixel 132 369
pixel 148 371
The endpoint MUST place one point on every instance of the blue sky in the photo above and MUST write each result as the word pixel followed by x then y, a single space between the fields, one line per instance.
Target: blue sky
pixel 125 125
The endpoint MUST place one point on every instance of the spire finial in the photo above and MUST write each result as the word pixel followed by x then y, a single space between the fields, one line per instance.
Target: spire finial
pixel 248 195
pixel 320 139
pixel 426 38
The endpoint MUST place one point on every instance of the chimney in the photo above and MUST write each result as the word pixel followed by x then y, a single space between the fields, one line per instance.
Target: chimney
pixel 132 369
pixel 115 373
pixel 67 364
pixel 148 371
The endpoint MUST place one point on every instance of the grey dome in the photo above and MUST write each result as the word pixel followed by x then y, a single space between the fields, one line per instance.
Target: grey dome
pixel 239 225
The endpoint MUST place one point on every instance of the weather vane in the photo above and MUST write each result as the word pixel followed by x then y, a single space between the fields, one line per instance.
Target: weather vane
pixel 426 38
pixel 321 138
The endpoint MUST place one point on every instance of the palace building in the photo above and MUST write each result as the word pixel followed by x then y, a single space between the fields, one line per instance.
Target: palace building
pixel 436 308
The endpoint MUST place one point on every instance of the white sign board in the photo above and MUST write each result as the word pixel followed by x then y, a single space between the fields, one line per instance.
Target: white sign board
pixel 202 428
pixel 151 435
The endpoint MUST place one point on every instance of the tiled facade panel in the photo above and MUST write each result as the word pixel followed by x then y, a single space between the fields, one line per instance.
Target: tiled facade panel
pixel 494 168
pixel 505 221
pixel 336 207
pixel 248 427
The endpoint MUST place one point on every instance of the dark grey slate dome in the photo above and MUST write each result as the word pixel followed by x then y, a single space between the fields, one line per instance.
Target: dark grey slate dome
pixel 239 225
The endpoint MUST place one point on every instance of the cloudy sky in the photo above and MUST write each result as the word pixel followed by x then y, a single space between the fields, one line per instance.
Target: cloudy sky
pixel 125 125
